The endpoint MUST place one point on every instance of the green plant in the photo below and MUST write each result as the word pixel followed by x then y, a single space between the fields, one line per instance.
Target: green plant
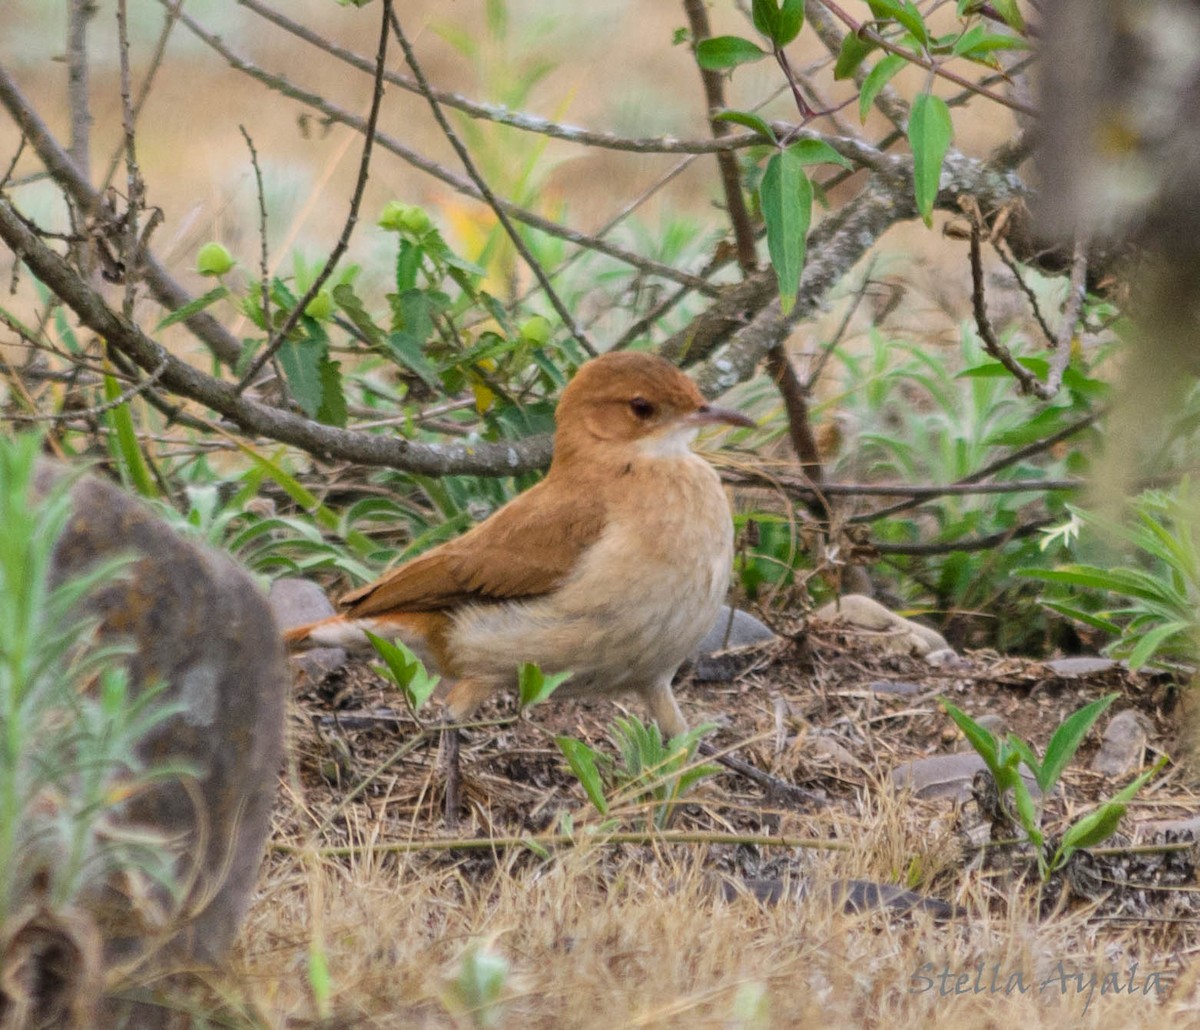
pixel 651 772
pixel 70 724
pixel 1003 758
pixel 1158 591
pixel 405 670
pixel 477 990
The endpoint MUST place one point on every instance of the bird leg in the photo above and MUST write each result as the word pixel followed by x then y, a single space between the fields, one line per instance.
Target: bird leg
pixel 451 739
pixel 664 708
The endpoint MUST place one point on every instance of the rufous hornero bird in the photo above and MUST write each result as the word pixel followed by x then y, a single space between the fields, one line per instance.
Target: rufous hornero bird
pixel 613 567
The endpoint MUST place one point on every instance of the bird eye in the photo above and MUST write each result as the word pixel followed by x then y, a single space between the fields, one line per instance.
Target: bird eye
pixel 641 407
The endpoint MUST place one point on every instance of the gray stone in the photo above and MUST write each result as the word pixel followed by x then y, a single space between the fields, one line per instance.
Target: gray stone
pixel 199 625
pixel 946 776
pixel 1124 746
pixel 1081 665
pixel 743 631
pixel 857 613
pixel 730 646
pixel 297 601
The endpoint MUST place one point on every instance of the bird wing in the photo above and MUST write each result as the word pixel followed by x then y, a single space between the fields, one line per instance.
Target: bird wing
pixel 528 547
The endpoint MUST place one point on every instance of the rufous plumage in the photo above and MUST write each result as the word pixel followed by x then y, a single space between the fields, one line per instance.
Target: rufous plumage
pixel 612 567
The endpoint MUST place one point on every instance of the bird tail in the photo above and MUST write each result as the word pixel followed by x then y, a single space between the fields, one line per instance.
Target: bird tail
pixel 423 632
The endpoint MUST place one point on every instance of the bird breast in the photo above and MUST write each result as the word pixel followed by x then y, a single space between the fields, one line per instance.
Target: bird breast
pixel 640 599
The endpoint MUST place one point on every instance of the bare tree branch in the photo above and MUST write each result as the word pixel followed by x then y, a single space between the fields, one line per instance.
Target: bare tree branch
pixel 490 198
pixel 456 182
pixel 479 458
pixel 506 116
pixel 279 336
pixel 223 344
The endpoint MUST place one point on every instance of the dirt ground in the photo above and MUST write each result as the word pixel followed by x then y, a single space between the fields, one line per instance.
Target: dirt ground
pixel 752 909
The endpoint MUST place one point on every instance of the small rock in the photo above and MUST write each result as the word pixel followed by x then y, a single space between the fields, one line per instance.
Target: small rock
pixel 729 646
pixel 297 601
pixel 946 776
pixel 1081 665
pixel 857 612
pixel 995 724
pixel 826 746
pixel 742 631
pixel 1124 746
pixel 895 688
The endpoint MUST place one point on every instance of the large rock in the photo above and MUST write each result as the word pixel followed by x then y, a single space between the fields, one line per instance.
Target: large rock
pixel 200 625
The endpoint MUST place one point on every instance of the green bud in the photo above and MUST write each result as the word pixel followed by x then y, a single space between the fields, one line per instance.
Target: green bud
pixel 536 330
pixel 390 218
pixel 321 306
pixel 213 259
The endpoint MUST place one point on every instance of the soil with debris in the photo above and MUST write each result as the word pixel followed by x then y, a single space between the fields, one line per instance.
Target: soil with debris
pixel 823 711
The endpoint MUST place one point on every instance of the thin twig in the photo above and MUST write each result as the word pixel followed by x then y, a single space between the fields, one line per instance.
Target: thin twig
pixel 921 492
pixel 134 188
pixel 12 165
pixel 279 336
pixel 1026 380
pixel 75 184
pixel 156 60
pixel 95 411
pixel 506 116
pixel 731 180
pixel 980 543
pixel 568 840
pixel 1071 312
pixel 79 13
pixel 490 198
pixel 921 61
pixel 1010 263
pixel 460 184
pixel 264 256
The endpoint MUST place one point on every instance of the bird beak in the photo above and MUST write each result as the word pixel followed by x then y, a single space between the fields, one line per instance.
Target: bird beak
pixel 709 415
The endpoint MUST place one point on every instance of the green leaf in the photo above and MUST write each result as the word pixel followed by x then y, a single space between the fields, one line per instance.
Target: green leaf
pixel 1027 755
pixel 407 670
pixel 780 24
pixel 352 307
pixel 853 52
pixel 817 152
pixel 1066 741
pixel 332 410
pixel 930 131
pixel 1093 828
pixel 722 52
pixel 192 307
pixel 534 686
pixel 1011 13
pixel 979 738
pixel 1147 647
pixel 786 198
pixel 876 80
pixel 904 12
pixel 301 361
pixel 133 462
pixel 977 43
pixel 751 121
pixel 1027 812
pixel 414 324
pixel 1042 425
pixel 582 760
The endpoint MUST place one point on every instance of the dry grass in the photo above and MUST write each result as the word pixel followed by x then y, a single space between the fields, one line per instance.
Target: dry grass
pixel 639 934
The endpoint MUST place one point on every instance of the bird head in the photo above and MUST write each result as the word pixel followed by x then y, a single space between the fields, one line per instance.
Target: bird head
pixel 626 399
